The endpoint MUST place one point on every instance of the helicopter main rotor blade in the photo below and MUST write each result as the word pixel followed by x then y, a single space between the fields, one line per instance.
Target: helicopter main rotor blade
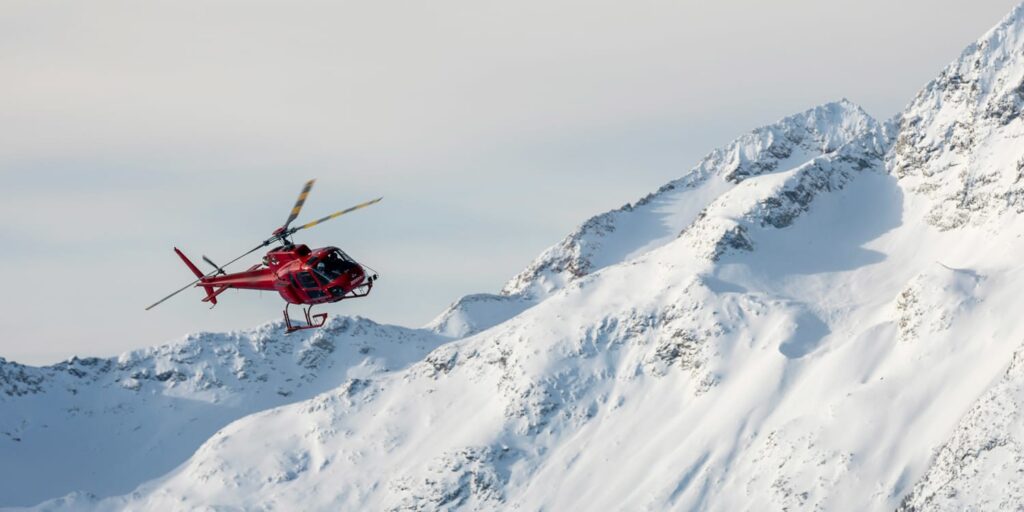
pixel 298 203
pixel 161 301
pixel 211 274
pixel 337 214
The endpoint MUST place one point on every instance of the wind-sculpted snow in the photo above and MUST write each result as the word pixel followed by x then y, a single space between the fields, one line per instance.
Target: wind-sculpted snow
pixel 822 315
pixel 106 425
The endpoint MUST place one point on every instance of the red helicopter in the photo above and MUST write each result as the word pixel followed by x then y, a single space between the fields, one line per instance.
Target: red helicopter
pixel 300 274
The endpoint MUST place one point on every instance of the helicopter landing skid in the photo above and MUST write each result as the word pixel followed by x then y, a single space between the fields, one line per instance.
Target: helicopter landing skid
pixel 312 322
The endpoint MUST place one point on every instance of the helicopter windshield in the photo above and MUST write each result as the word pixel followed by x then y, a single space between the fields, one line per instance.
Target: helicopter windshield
pixel 333 265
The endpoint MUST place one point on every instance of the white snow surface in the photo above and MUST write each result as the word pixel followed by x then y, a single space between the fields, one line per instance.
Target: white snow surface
pixel 823 315
pixel 106 425
pixel 658 218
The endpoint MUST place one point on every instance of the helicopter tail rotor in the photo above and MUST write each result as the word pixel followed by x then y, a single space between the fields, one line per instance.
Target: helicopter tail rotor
pixel 220 270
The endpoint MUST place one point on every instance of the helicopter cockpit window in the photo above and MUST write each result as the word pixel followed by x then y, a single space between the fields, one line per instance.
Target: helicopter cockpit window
pixel 332 266
pixel 340 254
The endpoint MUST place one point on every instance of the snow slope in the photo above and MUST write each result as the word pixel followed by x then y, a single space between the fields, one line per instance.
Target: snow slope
pixel 106 425
pixel 831 324
pixel 657 219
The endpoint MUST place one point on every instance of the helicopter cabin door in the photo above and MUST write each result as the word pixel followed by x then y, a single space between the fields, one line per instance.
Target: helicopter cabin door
pixel 308 284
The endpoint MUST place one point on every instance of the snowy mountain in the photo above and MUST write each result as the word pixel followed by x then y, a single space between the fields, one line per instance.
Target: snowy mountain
pixel 821 315
pixel 958 142
pixel 658 218
pixel 107 425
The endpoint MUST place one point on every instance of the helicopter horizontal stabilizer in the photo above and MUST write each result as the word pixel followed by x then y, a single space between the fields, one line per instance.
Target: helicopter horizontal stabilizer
pixel 211 296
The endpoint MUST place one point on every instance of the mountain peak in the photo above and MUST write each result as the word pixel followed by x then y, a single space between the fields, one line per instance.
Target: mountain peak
pixel 656 219
pixel 835 123
pixel 958 140
pixel 837 110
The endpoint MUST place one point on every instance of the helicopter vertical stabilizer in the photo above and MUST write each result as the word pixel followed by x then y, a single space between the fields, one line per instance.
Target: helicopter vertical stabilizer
pixel 210 295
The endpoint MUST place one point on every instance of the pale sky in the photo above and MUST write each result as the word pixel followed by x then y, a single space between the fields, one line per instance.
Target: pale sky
pixel 492 129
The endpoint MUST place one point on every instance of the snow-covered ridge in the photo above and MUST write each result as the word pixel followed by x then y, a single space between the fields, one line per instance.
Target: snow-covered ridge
pixel 959 139
pixel 658 218
pixel 478 312
pixel 777 200
pixel 104 425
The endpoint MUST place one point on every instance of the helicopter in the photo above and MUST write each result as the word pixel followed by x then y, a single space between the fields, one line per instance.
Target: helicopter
pixel 302 276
